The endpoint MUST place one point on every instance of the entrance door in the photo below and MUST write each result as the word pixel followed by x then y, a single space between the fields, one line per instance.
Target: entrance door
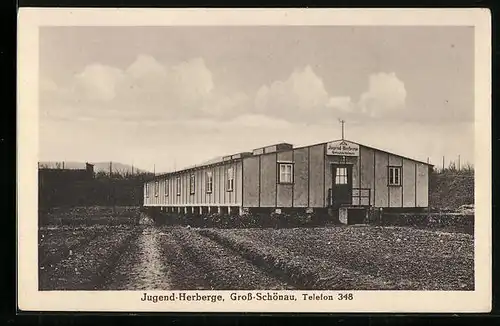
pixel 341 184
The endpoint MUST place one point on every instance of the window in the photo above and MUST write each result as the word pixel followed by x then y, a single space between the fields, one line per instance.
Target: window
pixel 341 177
pixel 210 182
pixel 286 173
pixel 230 179
pixel 146 189
pixel 394 176
pixel 157 188
pixel 178 185
pixel 166 187
pixel 191 184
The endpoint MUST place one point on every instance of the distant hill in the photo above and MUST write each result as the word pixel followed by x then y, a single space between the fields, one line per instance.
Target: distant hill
pixel 98 166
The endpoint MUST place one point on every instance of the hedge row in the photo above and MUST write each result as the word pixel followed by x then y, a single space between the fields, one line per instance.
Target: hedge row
pixel 248 220
pixel 92 215
pixel 458 221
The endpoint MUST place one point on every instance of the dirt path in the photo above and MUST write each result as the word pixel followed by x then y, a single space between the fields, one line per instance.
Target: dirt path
pixel 143 266
pixel 148 257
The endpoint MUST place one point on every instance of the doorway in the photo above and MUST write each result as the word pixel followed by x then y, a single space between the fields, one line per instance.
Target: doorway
pixel 341 184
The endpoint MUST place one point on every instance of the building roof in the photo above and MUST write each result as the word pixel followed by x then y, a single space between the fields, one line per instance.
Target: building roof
pixel 370 147
pixel 221 160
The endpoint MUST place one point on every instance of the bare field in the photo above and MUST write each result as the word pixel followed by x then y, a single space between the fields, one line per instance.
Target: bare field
pixel 360 257
pixel 147 257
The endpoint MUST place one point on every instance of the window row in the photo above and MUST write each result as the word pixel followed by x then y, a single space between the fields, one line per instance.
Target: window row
pixel 285 176
pixel 393 176
pixel 209 184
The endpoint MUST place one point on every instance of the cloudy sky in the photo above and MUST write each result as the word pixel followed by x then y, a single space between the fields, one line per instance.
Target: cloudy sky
pixel 176 96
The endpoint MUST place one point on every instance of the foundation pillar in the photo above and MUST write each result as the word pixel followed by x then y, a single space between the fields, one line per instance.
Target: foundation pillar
pixel 185 210
pixel 343 215
pixel 219 210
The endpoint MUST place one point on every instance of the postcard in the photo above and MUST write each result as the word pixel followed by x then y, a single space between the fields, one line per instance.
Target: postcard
pixel 254 160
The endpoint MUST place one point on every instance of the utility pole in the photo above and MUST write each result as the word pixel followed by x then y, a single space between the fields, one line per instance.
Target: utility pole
pixel 458 162
pixel 110 168
pixel 342 122
pixel 154 169
pixel 443 162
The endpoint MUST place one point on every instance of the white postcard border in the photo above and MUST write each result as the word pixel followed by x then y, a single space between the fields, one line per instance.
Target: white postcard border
pixel 30 299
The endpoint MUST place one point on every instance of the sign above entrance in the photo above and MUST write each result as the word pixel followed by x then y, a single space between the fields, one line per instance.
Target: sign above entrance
pixel 342 148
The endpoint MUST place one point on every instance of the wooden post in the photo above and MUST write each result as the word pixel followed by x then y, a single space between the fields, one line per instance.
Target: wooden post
pixel 342 122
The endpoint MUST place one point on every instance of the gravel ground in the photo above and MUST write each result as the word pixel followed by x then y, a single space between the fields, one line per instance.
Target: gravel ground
pixel 225 269
pixel 398 257
pixel 82 268
pixel 148 257
pixel 55 242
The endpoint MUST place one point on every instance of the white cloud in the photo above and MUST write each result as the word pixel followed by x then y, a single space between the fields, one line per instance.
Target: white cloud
pixel 342 103
pixel 145 66
pixel 98 82
pixel 193 79
pixel 182 90
pixel 301 95
pixel 386 93
pixel 150 90
pixel 146 88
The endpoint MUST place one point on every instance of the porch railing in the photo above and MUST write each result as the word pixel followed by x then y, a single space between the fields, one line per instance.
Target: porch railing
pixel 359 197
